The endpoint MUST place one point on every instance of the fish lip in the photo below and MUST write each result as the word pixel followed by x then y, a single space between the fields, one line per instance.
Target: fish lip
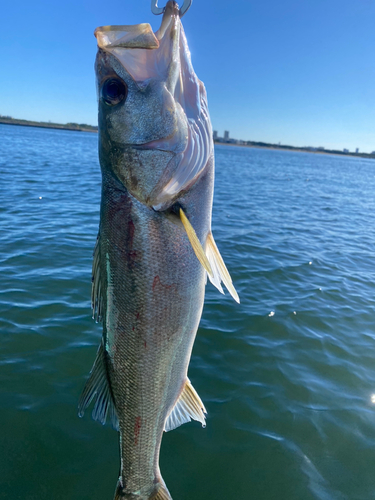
pixel 146 145
pixel 140 148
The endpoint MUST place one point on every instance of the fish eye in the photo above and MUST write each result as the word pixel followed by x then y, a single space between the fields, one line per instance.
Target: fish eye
pixel 114 91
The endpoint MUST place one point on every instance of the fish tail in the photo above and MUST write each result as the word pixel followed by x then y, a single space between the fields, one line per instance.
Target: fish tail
pixel 160 492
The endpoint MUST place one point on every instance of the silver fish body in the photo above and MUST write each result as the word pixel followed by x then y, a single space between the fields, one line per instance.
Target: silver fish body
pixel 156 156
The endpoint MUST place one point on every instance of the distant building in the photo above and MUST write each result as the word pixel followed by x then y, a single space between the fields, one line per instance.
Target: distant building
pixel 215 135
pixel 356 150
pixel 346 150
pixel 226 135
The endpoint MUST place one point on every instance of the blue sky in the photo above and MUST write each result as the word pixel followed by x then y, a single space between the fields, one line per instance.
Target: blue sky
pixel 299 72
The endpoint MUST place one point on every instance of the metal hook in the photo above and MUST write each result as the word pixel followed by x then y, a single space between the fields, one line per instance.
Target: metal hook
pixel 159 10
pixel 155 9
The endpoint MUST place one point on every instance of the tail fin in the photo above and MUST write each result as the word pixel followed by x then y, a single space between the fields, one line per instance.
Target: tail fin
pixel 160 492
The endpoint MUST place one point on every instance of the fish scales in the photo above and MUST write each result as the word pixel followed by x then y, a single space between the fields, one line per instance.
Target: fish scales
pixel 150 323
pixel 155 247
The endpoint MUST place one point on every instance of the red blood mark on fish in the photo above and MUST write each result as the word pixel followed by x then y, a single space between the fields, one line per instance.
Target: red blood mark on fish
pixel 137 429
pixel 145 343
pixel 157 286
pixel 137 315
pixel 131 229
pixel 156 281
pixel 132 255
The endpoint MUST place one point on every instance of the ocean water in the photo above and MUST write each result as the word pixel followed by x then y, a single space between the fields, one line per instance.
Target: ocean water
pixel 287 376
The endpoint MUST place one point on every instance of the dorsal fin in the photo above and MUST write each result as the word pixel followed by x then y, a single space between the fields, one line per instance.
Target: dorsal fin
pixel 220 272
pixel 97 386
pixel 188 406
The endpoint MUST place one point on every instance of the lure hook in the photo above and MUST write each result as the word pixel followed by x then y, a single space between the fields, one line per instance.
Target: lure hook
pixel 159 10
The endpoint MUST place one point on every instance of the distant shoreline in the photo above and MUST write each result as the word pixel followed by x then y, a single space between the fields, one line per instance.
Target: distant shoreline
pixel 297 150
pixel 76 127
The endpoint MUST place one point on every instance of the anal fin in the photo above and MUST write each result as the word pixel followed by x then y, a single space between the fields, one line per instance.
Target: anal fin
pixel 188 406
pixel 97 386
pixel 220 272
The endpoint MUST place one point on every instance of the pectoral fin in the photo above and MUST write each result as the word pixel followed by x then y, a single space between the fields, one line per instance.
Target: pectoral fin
pixel 219 271
pixel 195 243
pixel 188 406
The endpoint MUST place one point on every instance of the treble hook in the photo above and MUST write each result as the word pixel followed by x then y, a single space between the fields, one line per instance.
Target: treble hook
pixel 159 10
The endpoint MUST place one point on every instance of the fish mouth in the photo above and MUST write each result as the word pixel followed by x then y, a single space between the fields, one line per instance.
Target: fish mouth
pixel 173 143
pixel 136 36
pixel 143 53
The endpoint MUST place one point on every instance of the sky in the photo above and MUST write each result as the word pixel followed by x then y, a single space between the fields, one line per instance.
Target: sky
pixel 298 72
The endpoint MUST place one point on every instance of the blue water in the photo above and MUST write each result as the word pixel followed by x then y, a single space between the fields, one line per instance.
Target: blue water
pixel 287 376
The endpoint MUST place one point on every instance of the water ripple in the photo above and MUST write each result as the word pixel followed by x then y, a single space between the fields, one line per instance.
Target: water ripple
pixel 288 376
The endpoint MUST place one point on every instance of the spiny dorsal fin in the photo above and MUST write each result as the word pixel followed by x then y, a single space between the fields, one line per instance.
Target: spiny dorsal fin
pixel 97 386
pixel 188 406
pixel 219 270
pixel 195 243
pixel 96 287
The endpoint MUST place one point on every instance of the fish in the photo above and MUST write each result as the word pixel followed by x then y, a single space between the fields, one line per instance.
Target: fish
pixel 154 248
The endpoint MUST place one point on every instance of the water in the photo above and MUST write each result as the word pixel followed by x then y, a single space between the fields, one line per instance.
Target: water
pixel 287 376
